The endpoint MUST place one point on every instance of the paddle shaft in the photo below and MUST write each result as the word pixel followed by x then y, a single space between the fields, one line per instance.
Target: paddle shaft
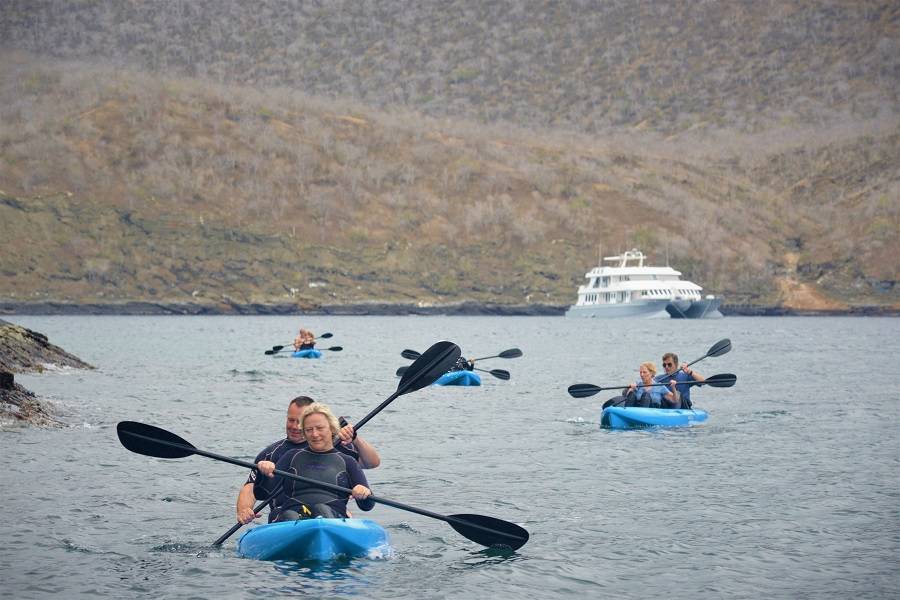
pixel 501 355
pixel 412 355
pixel 376 410
pixel 401 389
pixel 625 387
pixel 498 373
pixel 331 348
pixel 256 509
pixel 718 349
pixel 322 484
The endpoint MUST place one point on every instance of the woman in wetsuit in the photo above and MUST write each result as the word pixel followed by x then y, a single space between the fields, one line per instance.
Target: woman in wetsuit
pixel 322 462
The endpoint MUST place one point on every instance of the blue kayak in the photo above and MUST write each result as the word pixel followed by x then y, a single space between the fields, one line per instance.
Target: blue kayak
pixel 459 378
pixel 308 353
pixel 314 539
pixel 620 417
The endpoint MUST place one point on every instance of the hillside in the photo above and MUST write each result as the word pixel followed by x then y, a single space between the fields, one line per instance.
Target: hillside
pixel 202 181
pixel 582 65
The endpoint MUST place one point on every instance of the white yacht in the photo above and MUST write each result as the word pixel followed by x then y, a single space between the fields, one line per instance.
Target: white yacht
pixel 629 289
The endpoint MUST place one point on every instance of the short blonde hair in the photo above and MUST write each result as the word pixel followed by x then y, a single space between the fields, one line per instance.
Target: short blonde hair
pixel 650 367
pixel 321 409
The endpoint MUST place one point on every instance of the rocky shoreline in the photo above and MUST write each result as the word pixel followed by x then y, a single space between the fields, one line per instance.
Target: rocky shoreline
pixel 25 351
pixel 383 309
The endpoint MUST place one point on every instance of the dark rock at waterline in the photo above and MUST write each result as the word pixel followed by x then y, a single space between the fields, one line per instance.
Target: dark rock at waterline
pixel 19 406
pixel 26 351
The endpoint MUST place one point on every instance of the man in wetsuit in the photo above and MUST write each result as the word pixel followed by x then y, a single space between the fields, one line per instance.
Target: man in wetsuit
pixel 680 374
pixel 257 487
pixel 463 365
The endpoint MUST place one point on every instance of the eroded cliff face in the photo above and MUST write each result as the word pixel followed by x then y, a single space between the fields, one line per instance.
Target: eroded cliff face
pixel 26 351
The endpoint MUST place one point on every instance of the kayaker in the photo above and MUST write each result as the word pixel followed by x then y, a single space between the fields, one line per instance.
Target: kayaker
pixel 320 461
pixel 258 488
pixel 680 374
pixel 462 364
pixel 305 340
pixel 643 393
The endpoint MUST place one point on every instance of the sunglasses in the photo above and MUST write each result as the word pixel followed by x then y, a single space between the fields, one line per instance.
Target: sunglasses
pixel 668 364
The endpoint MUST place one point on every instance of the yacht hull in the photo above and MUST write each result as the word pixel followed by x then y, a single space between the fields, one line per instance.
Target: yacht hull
pixel 651 309
pixel 707 308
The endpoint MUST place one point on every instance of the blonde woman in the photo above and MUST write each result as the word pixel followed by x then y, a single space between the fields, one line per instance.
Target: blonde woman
pixel 644 394
pixel 322 462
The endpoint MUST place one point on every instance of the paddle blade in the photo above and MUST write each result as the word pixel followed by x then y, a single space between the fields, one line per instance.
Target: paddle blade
pixel 152 441
pixel 436 361
pixel 325 336
pixel 336 348
pixel 500 374
pixel 276 349
pixel 719 348
pixel 583 390
pixel 489 531
pixel 722 380
pixel 270 352
pixel 511 353
pixel 410 354
pixel 401 371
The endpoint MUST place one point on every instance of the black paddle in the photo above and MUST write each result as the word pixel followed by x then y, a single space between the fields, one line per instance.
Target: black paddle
pixel 324 336
pixel 256 510
pixel 498 373
pixel 718 349
pixel 153 441
pixel 332 349
pixel 424 371
pixel 511 353
pixel 583 390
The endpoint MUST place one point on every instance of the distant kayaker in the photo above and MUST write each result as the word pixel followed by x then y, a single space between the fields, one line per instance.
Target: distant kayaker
pixel 644 394
pixel 680 374
pixel 258 488
pixel 462 364
pixel 320 461
pixel 305 340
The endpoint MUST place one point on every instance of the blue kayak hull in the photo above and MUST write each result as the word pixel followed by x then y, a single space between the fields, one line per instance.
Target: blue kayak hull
pixel 314 539
pixel 619 417
pixel 459 378
pixel 309 353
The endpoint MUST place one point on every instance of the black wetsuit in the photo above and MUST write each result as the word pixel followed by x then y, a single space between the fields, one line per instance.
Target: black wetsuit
pixel 307 499
pixel 462 365
pixel 264 486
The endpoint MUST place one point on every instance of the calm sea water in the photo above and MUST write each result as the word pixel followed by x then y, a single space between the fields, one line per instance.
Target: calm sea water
pixel 790 490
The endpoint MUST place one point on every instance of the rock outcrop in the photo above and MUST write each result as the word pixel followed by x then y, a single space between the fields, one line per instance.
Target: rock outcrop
pixel 26 351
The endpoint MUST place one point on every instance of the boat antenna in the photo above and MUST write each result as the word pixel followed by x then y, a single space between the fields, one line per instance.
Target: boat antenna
pixel 667 248
pixel 600 254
